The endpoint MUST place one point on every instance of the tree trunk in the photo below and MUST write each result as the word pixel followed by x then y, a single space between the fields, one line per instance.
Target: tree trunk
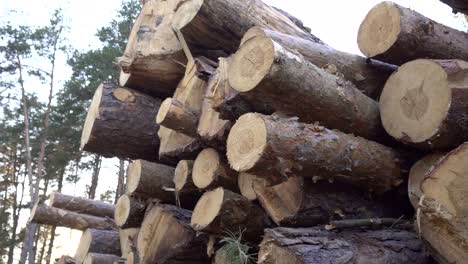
pixel 128 241
pixel 417 174
pixel 457 6
pixel 150 180
pixel 220 211
pixel 52 232
pixel 94 177
pixel 204 25
pixel 272 78
pixel 120 123
pixel 183 183
pixel 174 115
pixel 315 245
pixel 300 202
pixel 276 148
pixel 245 181
pixel 442 209
pixel 81 205
pixel 98 241
pixel 166 237
pixel 97 258
pixel 367 75
pixel 121 181
pixel 425 104
pixel 211 171
pixel 396 34
pixel 46 215
pixel 66 260
pixel 129 212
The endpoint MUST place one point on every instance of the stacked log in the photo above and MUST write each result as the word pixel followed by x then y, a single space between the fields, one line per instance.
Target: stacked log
pixel 97 241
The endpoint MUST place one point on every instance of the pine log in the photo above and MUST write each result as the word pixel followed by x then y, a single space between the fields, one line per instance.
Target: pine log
pixel 150 180
pixel 315 245
pixel 174 115
pixel 96 258
pixel 425 104
pixel 210 171
pixel 367 75
pixel 81 205
pixel 166 237
pixel 442 208
pixel 276 148
pixel 245 182
pixel 129 211
pixel 183 183
pixel 300 202
pixel 189 93
pixel 272 78
pixel 220 211
pixel 120 123
pixel 395 34
pixel 47 215
pixel 65 260
pixel 97 241
pixel 146 84
pixel 220 257
pixel 457 6
pixel 417 174
pixel 128 241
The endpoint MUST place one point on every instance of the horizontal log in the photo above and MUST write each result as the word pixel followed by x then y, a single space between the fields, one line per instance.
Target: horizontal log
pixel 417 174
pixel 150 180
pixel 65 260
pixel 210 171
pixel 129 211
pixel 81 205
pixel 174 115
pixel 97 241
pixel 185 189
pixel 128 242
pixel 457 6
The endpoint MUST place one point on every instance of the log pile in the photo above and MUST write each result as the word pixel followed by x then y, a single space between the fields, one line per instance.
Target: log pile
pixel 248 132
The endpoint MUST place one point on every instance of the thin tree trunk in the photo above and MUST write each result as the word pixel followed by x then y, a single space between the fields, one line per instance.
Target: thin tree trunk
pixel 15 215
pixel 95 178
pixel 120 184
pixel 52 231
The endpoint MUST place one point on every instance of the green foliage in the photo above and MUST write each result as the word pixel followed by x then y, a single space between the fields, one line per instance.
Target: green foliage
pixel 234 251
pixel 108 196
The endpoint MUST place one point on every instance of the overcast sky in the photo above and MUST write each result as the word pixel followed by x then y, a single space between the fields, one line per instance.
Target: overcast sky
pixel 336 22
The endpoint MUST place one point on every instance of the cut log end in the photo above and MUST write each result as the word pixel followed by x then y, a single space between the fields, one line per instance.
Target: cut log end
pixel 379 30
pixel 84 246
pixel 133 176
pixel 92 114
pixel 163 110
pixel 251 63
pixel 447 182
pixel 246 181
pixel 207 209
pixel 123 78
pixel 246 142
pixel 417 174
pixel 186 11
pixel 415 101
pixel 182 173
pixel 122 210
pixel 205 168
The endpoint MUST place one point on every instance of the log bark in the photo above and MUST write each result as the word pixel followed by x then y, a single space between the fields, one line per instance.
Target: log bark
pixel 396 34
pixel 46 215
pixel 81 205
pixel 220 211
pixel 367 75
pixel 300 202
pixel 457 6
pixel 276 148
pixel 272 78
pixel 96 258
pixel 120 123
pixel 174 115
pixel 97 241
pixel 315 245
pixel 210 171
pixel 442 209
pixel 146 84
pixel 166 237
pixel 183 183
pixel 417 174
pixel 129 211
pixel 150 180
pixel 65 260
pixel 424 104
pixel 128 241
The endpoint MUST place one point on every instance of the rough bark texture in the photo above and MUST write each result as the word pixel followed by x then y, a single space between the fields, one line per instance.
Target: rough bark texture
pixel 315 245
pixel 457 5
pixel 81 205
pixel 128 241
pixel 129 211
pixel 147 84
pixel 174 115
pixel 367 75
pixel 235 213
pixel 273 78
pixel 120 123
pixel 98 241
pixel 301 202
pixel 293 148
pixel 427 97
pixel 166 237
pixel 46 215
pixel 150 180
pixel 396 34
pixel 96 258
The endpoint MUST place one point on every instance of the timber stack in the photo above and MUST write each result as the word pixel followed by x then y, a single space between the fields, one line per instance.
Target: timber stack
pixel 244 128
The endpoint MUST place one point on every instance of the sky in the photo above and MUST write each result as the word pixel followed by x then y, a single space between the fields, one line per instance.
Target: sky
pixel 336 22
